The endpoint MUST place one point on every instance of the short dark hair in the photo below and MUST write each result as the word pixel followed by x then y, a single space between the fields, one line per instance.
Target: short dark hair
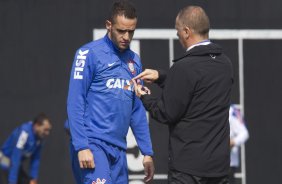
pixel 122 7
pixel 196 18
pixel 38 120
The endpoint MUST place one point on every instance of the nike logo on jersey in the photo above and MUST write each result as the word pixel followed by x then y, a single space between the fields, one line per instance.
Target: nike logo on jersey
pixel 212 56
pixel 111 64
pixel 79 64
pixel 119 83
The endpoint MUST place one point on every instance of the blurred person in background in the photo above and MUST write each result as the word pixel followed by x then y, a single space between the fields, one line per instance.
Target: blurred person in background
pixel 238 136
pixel 24 142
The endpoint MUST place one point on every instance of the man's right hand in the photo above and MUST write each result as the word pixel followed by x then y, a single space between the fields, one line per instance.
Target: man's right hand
pixel 232 143
pixel 33 181
pixel 148 75
pixel 86 159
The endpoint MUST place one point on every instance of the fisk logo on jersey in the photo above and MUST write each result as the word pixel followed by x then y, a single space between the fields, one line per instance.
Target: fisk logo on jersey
pixel 99 181
pixel 79 64
pixel 22 140
pixel 119 83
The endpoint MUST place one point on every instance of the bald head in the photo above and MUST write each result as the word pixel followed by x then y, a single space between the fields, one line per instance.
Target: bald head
pixel 196 19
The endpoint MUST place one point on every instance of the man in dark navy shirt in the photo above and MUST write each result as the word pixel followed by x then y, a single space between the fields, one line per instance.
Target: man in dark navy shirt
pixel 194 104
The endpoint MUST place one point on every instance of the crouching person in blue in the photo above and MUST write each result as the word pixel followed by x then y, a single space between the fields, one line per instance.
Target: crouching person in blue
pixel 24 142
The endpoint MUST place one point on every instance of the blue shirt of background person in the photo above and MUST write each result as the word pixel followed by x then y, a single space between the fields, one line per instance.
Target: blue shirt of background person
pixel 25 142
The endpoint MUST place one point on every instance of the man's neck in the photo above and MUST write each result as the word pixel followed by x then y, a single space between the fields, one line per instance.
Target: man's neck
pixel 113 43
pixel 198 42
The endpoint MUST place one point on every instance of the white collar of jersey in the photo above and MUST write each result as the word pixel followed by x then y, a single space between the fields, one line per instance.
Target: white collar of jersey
pixel 205 42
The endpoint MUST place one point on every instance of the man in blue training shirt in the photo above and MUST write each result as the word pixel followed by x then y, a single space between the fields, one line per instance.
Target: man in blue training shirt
pixel 102 106
pixel 24 142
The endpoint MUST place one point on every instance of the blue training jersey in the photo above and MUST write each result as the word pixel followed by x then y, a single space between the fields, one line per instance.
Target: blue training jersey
pixel 22 144
pixel 101 102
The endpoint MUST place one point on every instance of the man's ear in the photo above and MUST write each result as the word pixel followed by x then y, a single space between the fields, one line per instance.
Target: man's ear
pixel 187 32
pixel 108 25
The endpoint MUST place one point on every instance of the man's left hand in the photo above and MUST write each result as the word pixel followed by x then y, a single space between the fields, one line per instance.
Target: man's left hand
pixel 140 90
pixel 149 168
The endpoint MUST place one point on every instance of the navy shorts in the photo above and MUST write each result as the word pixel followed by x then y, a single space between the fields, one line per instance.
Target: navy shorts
pixel 110 165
